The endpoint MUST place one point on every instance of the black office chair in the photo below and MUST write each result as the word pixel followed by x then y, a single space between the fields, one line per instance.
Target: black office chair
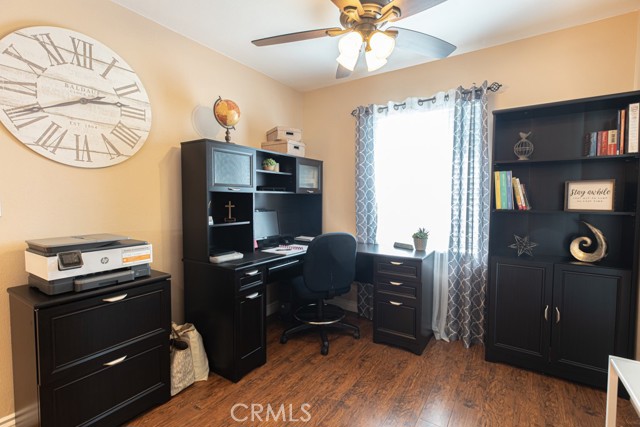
pixel 329 268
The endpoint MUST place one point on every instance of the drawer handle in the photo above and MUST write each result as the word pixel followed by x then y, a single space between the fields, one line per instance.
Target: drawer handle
pixel 253 296
pixel 252 273
pixel 557 315
pixel 115 362
pixel 395 283
pixel 233 189
pixel 546 312
pixel 396 263
pixel 310 191
pixel 115 299
pixel 395 303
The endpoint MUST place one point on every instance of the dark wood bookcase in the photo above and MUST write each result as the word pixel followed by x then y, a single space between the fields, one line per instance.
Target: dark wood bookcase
pixel 549 312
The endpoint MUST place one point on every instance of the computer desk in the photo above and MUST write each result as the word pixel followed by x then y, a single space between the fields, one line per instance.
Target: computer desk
pixel 227 302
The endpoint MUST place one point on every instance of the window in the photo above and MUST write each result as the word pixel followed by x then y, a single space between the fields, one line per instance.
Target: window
pixel 413 154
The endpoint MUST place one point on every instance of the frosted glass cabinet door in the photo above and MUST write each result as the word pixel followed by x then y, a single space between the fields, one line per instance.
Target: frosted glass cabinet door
pixel 309 176
pixel 232 169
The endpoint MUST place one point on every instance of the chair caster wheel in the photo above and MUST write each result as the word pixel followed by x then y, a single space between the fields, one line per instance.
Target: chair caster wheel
pixel 356 335
pixel 283 339
pixel 324 350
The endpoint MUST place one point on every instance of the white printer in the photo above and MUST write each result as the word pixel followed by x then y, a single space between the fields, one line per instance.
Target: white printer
pixel 78 263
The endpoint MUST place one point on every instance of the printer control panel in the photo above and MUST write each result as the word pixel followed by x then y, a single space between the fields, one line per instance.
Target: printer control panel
pixel 69 260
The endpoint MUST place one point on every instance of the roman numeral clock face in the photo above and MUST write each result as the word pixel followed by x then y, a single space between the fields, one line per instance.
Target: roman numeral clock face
pixel 70 98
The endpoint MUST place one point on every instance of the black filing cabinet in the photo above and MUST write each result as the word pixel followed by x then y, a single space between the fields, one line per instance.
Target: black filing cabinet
pixel 95 358
pixel 403 298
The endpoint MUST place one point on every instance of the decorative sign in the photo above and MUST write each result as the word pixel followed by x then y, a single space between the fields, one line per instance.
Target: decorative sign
pixel 591 195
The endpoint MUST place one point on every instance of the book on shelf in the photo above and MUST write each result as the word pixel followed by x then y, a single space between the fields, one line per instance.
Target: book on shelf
pixel 633 127
pixel 622 129
pixel 510 193
pixel 509 190
pixel 612 136
pixel 525 197
pixel 496 186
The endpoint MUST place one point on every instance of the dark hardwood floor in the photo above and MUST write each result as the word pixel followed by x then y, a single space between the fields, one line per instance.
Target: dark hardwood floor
pixel 365 384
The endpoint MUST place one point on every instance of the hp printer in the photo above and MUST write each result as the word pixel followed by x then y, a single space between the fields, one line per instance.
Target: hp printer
pixel 78 263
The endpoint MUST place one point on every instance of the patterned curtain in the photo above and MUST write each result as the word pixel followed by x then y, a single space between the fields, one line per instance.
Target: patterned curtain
pixel 468 244
pixel 366 206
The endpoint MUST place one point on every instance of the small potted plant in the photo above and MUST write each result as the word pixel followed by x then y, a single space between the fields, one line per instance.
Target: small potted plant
pixel 269 164
pixel 420 238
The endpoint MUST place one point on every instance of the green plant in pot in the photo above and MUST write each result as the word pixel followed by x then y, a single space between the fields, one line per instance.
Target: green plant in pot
pixel 269 164
pixel 420 238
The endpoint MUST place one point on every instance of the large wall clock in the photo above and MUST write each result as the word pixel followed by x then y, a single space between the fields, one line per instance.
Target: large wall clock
pixel 70 98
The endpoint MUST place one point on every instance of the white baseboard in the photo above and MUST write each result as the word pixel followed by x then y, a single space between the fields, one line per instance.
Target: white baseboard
pixel 8 421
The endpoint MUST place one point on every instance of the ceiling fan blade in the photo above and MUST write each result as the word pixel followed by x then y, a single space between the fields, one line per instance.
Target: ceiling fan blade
pixel 294 37
pixel 342 72
pixel 422 43
pixel 409 7
pixel 342 4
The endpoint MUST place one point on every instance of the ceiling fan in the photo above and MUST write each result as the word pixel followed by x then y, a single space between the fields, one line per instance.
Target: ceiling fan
pixel 363 24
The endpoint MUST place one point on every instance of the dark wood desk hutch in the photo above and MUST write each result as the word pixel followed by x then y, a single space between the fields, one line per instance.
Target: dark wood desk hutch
pixel 227 302
pixel 548 312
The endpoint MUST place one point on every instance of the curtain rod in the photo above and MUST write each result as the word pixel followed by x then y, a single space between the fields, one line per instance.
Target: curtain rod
pixel 493 87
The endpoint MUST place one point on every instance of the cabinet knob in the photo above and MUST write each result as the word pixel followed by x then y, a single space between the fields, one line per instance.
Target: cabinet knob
pixel 115 299
pixel 116 361
pixel 395 303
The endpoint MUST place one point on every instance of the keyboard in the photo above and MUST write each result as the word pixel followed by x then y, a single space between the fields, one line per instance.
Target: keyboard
pixel 287 249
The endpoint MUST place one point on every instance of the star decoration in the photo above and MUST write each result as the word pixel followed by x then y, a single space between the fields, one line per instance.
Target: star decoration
pixel 523 245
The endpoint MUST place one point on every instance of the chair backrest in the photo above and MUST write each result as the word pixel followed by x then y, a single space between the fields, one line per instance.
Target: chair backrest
pixel 330 263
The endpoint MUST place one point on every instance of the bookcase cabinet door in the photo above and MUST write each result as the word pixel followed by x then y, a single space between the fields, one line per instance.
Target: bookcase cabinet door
pixel 590 308
pixel 520 296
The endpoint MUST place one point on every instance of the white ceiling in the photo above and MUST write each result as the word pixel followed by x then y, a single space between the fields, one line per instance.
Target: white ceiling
pixel 229 26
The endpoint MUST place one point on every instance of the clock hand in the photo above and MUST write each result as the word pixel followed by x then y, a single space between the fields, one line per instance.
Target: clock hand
pixel 64 104
pixel 117 104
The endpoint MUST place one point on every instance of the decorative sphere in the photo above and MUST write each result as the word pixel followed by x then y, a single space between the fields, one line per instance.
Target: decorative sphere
pixel 523 148
pixel 226 112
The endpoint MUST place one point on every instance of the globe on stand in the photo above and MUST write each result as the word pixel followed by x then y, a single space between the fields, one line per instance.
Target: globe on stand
pixel 523 148
pixel 227 114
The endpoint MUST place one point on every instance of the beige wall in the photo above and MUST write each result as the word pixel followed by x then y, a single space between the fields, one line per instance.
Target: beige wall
pixel 140 197
pixel 588 60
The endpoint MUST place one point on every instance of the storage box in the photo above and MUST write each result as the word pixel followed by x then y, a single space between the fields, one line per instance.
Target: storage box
pixel 283 133
pixel 285 146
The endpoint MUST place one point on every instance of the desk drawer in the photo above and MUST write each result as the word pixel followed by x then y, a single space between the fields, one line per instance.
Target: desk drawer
pixel 395 286
pixel 398 267
pixel 395 317
pixel 249 278
pixel 78 332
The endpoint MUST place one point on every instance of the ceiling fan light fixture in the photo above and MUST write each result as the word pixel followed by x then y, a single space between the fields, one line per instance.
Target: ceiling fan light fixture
pixel 374 62
pixel 381 44
pixel 349 47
